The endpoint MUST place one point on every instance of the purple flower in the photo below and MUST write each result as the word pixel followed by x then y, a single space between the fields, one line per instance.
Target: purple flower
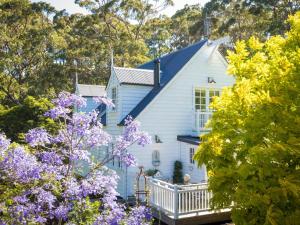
pixel 22 199
pixel 104 100
pixel 129 159
pixel 50 177
pixel 66 99
pixel 61 212
pixel 21 166
pixel 57 112
pixel 132 132
pixel 139 216
pixel 72 190
pixel 44 198
pixel 51 158
pixel 143 139
pixel 97 137
pixel 37 136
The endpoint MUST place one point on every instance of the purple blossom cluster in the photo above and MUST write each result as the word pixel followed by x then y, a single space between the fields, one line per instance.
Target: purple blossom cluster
pixel 131 135
pixel 47 175
pixel 20 166
pixel 104 100
pixel 37 136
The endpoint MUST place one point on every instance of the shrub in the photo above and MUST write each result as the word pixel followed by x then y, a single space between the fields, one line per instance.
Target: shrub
pixel 177 174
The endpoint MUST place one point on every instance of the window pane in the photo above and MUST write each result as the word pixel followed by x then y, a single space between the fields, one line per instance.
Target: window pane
pixel 202 93
pixel 197 100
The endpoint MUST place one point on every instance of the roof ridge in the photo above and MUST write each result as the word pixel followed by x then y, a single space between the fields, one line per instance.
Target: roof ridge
pixel 92 85
pixel 127 68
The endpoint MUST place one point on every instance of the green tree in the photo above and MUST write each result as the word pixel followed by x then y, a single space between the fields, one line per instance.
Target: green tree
pixel 28 44
pixel 243 18
pixel 187 26
pixel 17 120
pixel 252 153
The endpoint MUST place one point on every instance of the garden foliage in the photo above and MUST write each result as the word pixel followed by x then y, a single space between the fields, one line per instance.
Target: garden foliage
pixel 252 153
pixel 44 182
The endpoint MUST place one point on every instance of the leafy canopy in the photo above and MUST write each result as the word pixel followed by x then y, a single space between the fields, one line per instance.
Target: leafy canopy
pixel 253 152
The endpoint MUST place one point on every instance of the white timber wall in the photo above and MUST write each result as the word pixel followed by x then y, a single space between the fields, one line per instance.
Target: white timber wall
pixel 112 119
pixel 131 96
pixel 198 174
pixel 171 113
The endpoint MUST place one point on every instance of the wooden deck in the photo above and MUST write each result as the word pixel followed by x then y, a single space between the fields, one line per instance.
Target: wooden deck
pixel 194 219
pixel 184 204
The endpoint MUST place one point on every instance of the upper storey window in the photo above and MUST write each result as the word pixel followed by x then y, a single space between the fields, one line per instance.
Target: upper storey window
pixel 114 97
pixel 203 97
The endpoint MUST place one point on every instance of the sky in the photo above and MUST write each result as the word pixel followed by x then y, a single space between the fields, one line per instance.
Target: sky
pixel 71 7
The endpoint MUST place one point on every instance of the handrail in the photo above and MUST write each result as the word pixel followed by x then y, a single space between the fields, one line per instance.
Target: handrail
pixel 177 200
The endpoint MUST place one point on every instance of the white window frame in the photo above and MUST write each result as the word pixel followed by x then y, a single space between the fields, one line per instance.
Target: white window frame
pixel 192 153
pixel 155 158
pixel 204 96
pixel 114 98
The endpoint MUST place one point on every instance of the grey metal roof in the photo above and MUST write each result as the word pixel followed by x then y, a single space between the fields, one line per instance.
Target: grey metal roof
pixel 90 90
pixel 134 76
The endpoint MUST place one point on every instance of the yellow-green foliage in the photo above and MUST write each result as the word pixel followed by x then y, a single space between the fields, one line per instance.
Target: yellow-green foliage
pixel 253 151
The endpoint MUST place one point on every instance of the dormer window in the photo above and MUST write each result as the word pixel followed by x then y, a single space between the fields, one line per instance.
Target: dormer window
pixel 114 97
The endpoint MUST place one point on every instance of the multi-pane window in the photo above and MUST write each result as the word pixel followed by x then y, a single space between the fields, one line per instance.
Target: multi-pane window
pixel 114 97
pixel 192 152
pixel 203 97
pixel 212 94
pixel 155 158
pixel 200 100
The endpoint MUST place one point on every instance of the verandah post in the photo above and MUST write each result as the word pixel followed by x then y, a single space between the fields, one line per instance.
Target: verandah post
pixel 176 201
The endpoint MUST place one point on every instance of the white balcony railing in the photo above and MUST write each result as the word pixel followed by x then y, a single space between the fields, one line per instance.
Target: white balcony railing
pixel 178 200
pixel 201 119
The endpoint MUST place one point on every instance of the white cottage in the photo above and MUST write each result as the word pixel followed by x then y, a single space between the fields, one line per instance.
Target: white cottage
pixel 170 97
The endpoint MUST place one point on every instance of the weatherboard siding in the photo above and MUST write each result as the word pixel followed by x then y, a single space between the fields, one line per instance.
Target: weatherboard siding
pixel 171 113
pixel 112 119
pixel 90 105
pixel 131 96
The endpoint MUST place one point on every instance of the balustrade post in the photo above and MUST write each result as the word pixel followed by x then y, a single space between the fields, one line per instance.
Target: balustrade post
pixel 176 201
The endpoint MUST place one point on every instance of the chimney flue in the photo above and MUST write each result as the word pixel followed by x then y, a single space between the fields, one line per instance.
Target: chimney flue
pixel 157 73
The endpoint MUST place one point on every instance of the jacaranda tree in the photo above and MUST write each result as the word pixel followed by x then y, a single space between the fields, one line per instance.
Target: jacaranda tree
pixel 253 151
pixel 43 182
